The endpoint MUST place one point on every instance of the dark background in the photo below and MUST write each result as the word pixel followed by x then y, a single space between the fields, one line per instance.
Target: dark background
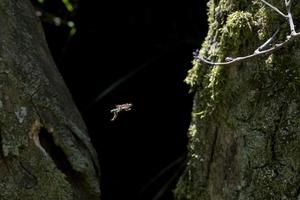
pixel 142 153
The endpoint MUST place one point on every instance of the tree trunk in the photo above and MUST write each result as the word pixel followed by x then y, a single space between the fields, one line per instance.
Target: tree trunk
pixel 46 152
pixel 244 138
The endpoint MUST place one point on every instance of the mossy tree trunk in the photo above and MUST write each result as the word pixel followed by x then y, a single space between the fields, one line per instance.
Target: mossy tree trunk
pixel 244 138
pixel 45 149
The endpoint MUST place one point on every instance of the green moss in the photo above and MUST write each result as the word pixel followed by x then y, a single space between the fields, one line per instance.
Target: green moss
pixel 193 73
pixel 239 26
pixel 212 92
pixel 34 179
pixel 210 79
pixel 253 104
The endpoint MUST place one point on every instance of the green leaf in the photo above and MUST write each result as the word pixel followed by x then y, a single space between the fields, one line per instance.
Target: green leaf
pixel 68 5
pixel 72 32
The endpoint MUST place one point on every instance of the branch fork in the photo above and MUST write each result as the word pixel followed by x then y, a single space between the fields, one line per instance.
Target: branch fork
pixel 262 49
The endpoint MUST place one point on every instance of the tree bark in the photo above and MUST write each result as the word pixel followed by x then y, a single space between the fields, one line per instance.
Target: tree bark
pixel 46 152
pixel 244 138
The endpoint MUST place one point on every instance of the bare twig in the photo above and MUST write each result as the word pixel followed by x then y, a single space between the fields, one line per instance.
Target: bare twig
pixel 260 50
pixel 274 8
pixel 290 17
pixel 261 47
pixel 238 59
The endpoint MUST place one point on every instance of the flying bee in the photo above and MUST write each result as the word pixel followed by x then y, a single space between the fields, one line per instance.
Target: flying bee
pixel 119 108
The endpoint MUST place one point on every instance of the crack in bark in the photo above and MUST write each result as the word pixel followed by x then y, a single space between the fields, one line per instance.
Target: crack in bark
pixel 276 131
pixel 61 161
pixel 75 173
pixel 33 80
pixel 84 139
pixel 273 144
pixel 210 161
pixel 34 136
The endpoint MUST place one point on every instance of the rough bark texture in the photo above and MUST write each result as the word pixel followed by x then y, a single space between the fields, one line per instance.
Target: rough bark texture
pixel 46 152
pixel 244 138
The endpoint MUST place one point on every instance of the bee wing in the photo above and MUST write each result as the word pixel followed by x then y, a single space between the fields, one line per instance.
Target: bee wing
pixel 114 117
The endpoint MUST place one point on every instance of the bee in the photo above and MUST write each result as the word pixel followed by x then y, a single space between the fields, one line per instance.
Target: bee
pixel 119 108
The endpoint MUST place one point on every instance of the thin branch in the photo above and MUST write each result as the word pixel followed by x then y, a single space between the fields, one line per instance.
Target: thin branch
pixel 261 47
pixel 287 2
pixel 131 74
pixel 290 17
pixel 291 23
pixel 257 53
pixel 274 8
pixel 259 50
pixel 120 81
pixel 173 164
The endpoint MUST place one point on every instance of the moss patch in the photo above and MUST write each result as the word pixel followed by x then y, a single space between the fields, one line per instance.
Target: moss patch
pixel 244 135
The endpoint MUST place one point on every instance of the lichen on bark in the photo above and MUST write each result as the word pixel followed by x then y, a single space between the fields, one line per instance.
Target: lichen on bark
pixel 244 138
pixel 45 150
